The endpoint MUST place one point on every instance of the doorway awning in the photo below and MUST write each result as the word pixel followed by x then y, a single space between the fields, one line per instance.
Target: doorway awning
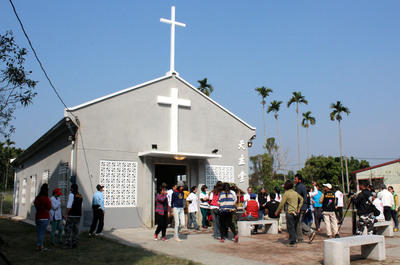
pixel 177 155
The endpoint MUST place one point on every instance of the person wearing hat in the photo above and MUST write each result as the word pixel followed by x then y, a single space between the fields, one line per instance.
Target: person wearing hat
pixel 328 201
pixel 56 216
pixel 98 212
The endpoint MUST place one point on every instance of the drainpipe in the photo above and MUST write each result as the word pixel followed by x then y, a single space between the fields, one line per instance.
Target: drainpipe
pixel 72 170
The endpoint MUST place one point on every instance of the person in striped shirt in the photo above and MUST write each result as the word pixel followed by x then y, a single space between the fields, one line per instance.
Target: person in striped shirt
pixel 226 203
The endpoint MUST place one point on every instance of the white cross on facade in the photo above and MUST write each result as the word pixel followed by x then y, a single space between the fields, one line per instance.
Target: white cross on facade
pixel 172 52
pixel 175 102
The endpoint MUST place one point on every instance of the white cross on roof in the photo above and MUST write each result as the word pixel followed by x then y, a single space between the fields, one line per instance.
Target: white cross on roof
pixel 172 52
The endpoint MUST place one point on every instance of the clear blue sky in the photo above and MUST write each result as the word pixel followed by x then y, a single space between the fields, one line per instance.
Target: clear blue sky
pixel 328 50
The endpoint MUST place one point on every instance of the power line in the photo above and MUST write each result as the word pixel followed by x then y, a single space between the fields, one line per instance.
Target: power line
pixel 36 56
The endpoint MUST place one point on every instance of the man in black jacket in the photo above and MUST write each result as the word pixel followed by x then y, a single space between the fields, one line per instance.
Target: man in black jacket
pixel 365 210
pixel 301 226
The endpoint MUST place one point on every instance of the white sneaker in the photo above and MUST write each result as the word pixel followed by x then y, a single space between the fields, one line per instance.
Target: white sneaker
pixel 99 234
pixel 178 239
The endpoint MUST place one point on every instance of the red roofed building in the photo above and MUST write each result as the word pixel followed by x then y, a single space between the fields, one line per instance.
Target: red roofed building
pixel 387 173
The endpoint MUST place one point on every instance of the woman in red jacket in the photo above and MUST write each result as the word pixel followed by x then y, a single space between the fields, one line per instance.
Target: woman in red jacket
pixel 43 206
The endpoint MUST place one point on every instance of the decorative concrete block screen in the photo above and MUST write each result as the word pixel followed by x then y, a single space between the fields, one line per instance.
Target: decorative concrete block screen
pixel 216 173
pixel 119 179
pixel 23 193
pixel 33 188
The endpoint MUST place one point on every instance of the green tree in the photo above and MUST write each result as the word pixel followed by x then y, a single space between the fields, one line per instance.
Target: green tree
pixel 7 152
pixel 337 110
pixel 205 87
pixel 15 86
pixel 275 107
pixel 264 93
pixel 297 98
pixel 306 122
pixel 326 169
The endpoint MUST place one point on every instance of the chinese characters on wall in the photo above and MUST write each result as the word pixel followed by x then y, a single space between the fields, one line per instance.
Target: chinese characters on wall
pixel 242 161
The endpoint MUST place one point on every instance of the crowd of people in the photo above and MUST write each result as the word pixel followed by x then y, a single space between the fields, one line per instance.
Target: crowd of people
pixel 304 207
pixel 49 211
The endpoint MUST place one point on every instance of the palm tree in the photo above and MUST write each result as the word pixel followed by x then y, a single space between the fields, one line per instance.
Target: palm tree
pixel 264 93
pixel 306 122
pixel 336 114
pixel 204 87
pixel 298 99
pixel 274 107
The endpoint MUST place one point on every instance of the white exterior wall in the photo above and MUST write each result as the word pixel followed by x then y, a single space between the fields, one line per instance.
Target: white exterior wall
pixel 390 174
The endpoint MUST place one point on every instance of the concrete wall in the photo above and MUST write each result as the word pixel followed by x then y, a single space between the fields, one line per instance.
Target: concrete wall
pixel 390 174
pixel 52 158
pixel 120 127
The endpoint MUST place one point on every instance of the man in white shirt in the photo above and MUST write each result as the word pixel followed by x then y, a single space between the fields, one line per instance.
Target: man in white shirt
pixel 379 205
pixel 339 204
pixel 387 199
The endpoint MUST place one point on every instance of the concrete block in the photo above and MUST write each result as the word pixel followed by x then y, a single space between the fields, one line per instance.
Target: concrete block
pixel 374 251
pixel 244 229
pixel 384 228
pixel 337 251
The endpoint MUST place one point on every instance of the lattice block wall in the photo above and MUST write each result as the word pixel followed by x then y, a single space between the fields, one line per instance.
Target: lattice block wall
pixel 119 179
pixel 216 173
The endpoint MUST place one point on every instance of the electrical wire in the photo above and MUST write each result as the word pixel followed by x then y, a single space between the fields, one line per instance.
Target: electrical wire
pixel 36 56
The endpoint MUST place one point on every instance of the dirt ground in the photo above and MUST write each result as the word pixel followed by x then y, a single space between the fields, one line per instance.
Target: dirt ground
pixel 272 249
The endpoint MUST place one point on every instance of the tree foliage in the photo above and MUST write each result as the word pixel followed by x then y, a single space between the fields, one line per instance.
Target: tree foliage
pixel 326 169
pixel 337 111
pixel 7 152
pixel 205 87
pixel 274 107
pixel 264 168
pixel 16 89
pixel 307 119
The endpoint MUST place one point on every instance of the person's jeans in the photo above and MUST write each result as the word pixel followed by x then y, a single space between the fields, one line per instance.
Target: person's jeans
pixel 339 214
pixel 179 217
pixel 204 214
pixel 225 223
pixel 56 226
pixel 395 218
pixel 216 224
pixel 302 227
pixel 41 226
pixel 387 211
pixel 317 216
pixel 72 230
pixel 291 223
pixel 192 219
pixel 98 217
pixel 260 217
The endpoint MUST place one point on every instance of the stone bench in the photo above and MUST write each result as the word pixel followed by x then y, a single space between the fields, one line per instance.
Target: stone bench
pixel 337 250
pixel 244 227
pixel 384 228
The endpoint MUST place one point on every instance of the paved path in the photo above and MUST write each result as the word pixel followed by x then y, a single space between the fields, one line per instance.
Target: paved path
pixel 194 246
pixel 258 249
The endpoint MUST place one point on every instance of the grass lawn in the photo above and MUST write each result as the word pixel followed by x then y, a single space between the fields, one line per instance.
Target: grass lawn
pixel 18 245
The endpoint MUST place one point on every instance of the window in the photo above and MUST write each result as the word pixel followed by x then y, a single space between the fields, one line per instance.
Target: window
pixel 33 188
pixel 216 173
pixel 23 192
pixel 119 179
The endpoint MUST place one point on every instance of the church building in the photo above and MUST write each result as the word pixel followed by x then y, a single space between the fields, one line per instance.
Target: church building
pixel 133 140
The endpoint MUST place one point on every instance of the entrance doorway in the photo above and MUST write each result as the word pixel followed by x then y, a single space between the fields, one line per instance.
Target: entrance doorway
pixel 169 174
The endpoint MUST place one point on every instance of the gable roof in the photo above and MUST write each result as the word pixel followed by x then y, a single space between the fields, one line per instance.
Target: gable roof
pixel 376 166
pixel 91 102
